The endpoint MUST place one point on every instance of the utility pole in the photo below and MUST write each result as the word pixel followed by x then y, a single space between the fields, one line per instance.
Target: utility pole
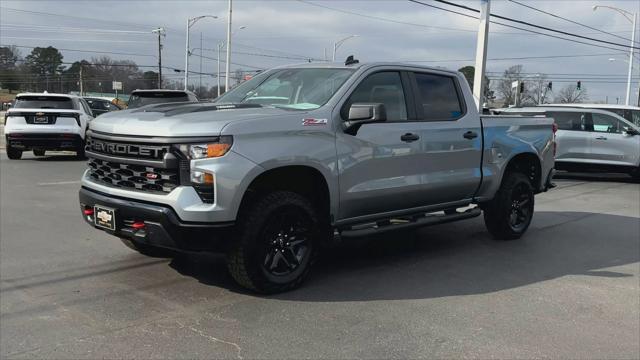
pixel 228 64
pixel 481 52
pixel 160 31
pixel 631 50
pixel 218 76
pixel 200 81
pixel 81 85
pixel 187 53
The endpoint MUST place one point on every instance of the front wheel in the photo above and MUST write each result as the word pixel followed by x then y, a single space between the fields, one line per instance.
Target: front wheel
pixel 13 153
pixel 276 243
pixel 509 214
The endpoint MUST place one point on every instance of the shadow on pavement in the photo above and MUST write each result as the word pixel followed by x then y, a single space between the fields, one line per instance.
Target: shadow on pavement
pixel 455 259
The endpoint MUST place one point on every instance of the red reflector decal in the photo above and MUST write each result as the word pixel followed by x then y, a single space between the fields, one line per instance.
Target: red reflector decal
pixel 88 211
pixel 138 225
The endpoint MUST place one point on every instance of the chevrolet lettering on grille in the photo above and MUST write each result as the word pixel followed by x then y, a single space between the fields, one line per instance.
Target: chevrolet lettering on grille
pixel 126 149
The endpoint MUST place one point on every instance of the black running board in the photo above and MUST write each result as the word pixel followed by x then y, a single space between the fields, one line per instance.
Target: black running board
pixel 418 220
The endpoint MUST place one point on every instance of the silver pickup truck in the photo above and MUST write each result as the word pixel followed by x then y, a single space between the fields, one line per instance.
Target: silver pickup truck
pixel 302 156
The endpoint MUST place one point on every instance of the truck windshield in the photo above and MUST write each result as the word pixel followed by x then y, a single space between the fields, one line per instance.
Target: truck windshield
pixel 149 97
pixel 43 102
pixel 298 89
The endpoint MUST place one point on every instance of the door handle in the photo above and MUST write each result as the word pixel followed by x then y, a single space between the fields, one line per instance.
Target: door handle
pixel 601 138
pixel 470 135
pixel 409 137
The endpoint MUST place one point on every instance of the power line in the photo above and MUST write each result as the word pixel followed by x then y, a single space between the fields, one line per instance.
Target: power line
pixel 571 21
pixel 87 51
pixel 514 27
pixel 173 30
pixel 532 25
pixel 513 58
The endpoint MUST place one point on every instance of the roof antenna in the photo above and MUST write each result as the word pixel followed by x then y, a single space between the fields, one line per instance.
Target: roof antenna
pixel 350 61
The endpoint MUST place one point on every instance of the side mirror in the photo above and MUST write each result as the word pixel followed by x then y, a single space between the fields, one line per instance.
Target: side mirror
pixel 631 131
pixel 364 113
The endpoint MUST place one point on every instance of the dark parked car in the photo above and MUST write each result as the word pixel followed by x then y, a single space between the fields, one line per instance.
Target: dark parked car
pixel 101 105
pixel 140 98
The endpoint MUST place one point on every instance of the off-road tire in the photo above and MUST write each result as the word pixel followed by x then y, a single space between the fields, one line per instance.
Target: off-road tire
pixel 147 250
pixel 38 152
pixel 247 257
pixel 13 153
pixel 498 212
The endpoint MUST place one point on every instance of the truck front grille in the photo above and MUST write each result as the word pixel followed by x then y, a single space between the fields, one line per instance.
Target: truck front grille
pixel 138 177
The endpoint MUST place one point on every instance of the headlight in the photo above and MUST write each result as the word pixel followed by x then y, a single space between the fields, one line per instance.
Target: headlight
pixel 207 150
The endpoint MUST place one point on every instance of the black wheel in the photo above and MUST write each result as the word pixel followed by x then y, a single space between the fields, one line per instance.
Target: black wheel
pixel 80 151
pixel 147 250
pixel 38 152
pixel 509 214
pixel 13 153
pixel 276 243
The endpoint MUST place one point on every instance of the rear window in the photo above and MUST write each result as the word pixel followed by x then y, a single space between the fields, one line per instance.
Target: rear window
pixel 43 102
pixel 148 98
pixel 439 97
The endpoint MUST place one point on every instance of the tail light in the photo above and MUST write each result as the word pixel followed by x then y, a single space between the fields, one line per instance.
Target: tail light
pixel 73 115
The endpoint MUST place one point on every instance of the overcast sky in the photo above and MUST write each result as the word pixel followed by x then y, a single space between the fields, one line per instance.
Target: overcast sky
pixel 299 29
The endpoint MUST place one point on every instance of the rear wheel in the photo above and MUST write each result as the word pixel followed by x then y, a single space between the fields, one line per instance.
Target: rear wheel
pixel 509 214
pixel 147 250
pixel 13 153
pixel 80 151
pixel 276 244
pixel 38 152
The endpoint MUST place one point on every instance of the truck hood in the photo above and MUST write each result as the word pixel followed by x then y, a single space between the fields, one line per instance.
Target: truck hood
pixel 173 120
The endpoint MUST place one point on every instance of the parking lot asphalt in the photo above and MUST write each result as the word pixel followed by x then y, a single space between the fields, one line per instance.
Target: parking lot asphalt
pixel 569 289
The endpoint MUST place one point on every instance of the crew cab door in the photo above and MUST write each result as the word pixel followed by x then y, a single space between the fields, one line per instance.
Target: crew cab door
pixel 451 138
pixel 381 165
pixel 610 144
pixel 573 136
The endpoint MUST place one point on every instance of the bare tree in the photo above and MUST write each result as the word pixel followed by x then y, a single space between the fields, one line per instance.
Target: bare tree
pixel 570 94
pixel 503 87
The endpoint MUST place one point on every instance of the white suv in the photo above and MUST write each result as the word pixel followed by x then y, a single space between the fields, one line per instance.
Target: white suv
pixel 43 121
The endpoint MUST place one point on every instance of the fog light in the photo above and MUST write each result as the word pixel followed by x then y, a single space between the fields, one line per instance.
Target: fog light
pixel 200 177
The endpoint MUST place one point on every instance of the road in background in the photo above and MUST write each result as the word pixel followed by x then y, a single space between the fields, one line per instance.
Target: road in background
pixel 569 289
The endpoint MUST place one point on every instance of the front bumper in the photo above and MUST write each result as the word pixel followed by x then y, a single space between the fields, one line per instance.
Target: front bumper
pixel 162 226
pixel 45 141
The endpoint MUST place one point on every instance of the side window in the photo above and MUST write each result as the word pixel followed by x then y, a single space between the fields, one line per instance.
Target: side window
pixel 606 124
pixel 383 87
pixel 439 97
pixel 575 121
pixel 85 106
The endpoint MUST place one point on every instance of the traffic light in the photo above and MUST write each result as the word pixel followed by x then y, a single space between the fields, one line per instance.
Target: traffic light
pixel 521 89
pixel 579 85
pixel 550 85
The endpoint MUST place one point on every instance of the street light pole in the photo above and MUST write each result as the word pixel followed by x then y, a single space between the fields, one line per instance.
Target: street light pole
pixel 632 17
pixel 187 52
pixel 337 44
pixel 228 64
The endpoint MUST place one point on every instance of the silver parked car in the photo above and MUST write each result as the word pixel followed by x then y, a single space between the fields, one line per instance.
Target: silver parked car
pixel 591 139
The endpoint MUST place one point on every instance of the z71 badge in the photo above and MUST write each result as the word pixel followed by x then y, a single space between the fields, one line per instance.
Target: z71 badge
pixel 314 122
